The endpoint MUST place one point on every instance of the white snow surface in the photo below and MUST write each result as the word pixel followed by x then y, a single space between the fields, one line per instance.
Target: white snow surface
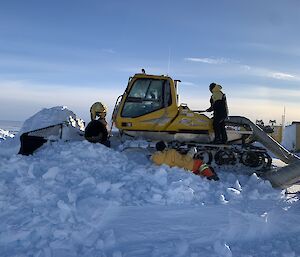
pixel 80 199
pixel 4 134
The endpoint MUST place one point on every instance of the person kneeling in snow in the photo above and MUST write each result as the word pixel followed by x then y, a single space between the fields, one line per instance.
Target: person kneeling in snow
pixel 96 131
pixel 172 158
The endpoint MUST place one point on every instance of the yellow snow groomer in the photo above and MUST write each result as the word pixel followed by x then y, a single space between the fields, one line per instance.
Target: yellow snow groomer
pixel 149 109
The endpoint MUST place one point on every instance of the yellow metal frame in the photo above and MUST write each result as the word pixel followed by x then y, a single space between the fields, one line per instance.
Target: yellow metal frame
pixel 173 118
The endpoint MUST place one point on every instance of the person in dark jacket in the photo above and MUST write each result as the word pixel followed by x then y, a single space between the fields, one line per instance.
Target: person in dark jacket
pixel 218 104
pixel 96 131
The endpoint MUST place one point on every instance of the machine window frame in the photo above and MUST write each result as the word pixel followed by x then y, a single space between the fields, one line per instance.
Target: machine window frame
pixel 164 100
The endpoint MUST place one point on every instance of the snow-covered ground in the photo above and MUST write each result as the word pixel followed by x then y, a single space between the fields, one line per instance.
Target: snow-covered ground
pixel 81 199
pixel 4 134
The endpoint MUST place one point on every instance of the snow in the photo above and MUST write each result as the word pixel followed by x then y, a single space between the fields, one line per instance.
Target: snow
pixel 75 198
pixel 4 134
pixel 72 128
pixel 50 116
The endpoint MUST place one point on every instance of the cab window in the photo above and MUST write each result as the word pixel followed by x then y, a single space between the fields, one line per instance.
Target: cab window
pixel 146 96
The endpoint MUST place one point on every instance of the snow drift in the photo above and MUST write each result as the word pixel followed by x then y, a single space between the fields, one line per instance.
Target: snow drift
pixel 56 123
pixel 4 134
pixel 81 199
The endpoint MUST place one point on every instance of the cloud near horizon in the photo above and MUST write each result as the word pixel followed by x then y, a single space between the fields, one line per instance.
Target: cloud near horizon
pixel 208 60
pixel 281 75
pixel 264 72
pixel 251 70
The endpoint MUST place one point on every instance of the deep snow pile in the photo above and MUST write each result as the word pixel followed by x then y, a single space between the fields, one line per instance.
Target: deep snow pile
pixel 72 125
pixel 51 116
pixel 82 199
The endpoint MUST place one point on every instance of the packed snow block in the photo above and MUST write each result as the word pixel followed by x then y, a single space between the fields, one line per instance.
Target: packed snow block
pixel 96 132
pixel 30 143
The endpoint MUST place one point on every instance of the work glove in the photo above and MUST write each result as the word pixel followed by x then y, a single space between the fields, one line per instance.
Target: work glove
pixel 197 172
pixel 213 177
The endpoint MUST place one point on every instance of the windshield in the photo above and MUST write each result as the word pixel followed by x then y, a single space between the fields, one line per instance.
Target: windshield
pixel 145 96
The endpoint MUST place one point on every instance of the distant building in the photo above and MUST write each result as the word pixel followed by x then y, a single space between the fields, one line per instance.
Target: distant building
pixel 277 133
pixel 291 137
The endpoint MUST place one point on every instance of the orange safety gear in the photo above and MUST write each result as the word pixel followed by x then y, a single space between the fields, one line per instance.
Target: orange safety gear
pixel 201 168
pixel 174 159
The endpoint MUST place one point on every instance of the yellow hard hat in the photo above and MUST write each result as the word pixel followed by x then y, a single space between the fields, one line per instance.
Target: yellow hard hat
pixel 98 110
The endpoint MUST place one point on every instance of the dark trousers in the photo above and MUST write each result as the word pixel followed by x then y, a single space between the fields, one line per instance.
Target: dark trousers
pixel 220 131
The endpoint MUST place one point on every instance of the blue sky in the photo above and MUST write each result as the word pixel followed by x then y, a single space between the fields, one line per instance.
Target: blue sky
pixel 76 52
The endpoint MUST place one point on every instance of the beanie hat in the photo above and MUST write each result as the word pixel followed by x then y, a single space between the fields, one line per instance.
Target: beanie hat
pixel 160 146
pixel 211 86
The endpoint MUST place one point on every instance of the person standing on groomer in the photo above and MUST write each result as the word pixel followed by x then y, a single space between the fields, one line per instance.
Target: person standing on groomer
pixel 218 104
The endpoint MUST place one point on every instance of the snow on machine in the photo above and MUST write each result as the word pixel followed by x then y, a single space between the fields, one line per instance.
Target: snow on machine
pixel 149 109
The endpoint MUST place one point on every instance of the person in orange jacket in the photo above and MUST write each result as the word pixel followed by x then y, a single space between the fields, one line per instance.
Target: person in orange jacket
pixel 172 158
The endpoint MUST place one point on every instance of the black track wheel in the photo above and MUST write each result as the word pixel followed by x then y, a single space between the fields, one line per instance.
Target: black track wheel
pixel 266 161
pixel 252 159
pixel 205 156
pixel 223 157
